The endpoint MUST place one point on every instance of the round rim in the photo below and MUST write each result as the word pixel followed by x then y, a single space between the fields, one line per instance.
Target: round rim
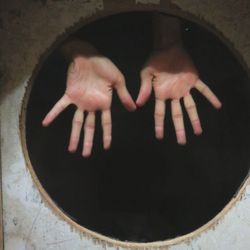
pixel 97 237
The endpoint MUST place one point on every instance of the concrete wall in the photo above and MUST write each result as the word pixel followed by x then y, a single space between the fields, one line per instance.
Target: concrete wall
pixel 27 31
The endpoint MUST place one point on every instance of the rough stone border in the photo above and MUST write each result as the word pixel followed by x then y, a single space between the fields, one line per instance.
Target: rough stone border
pixel 114 8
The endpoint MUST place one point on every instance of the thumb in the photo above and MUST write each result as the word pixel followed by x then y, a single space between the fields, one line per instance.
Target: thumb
pixel 123 94
pixel 146 88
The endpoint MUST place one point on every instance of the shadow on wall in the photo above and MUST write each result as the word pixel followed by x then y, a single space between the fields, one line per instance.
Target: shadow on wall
pixel 142 189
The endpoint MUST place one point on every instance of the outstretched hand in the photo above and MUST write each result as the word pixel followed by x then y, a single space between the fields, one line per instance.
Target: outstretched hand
pixel 172 75
pixel 90 83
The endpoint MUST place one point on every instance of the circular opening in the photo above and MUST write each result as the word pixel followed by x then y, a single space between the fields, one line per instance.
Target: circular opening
pixel 144 190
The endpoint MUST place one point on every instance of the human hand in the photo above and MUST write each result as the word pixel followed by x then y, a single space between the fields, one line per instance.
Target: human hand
pixel 172 75
pixel 90 83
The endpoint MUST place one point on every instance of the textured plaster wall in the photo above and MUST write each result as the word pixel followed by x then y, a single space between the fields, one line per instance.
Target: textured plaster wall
pixel 27 30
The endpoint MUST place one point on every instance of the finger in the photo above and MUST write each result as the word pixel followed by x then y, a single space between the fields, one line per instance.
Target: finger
pixel 89 129
pixel 124 95
pixel 207 92
pixel 159 118
pixel 146 88
pixel 76 130
pixel 177 117
pixel 106 127
pixel 193 114
pixel 56 110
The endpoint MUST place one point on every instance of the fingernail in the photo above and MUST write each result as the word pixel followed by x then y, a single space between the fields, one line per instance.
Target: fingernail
pixel 197 127
pixel 86 154
pixel 139 103
pixel 181 137
pixel 107 142
pixel 44 123
pixel 87 149
pixel 159 133
pixel 219 105
pixel 132 108
pixel 71 150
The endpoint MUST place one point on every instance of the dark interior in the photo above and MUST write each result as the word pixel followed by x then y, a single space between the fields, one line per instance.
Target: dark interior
pixel 143 189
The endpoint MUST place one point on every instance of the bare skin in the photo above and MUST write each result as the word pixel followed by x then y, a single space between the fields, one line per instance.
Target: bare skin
pixel 92 77
pixel 90 82
pixel 172 74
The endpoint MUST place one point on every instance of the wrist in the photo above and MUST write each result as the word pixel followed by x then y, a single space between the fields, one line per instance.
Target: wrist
pixel 165 45
pixel 167 31
pixel 77 48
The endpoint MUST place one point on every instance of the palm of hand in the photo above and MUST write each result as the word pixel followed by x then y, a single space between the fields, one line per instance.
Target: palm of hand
pixel 90 83
pixel 172 75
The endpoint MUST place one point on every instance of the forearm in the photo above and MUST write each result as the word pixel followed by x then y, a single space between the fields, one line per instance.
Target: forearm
pixel 75 47
pixel 167 31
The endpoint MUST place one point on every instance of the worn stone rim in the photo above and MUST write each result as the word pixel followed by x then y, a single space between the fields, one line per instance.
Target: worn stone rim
pixel 110 9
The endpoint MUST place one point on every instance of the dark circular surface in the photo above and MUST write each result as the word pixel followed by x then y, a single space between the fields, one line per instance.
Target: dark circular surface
pixel 142 189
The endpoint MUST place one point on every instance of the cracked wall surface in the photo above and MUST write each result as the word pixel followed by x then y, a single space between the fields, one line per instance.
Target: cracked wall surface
pixel 27 30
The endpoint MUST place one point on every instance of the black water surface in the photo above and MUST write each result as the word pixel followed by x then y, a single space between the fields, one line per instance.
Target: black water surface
pixel 142 189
